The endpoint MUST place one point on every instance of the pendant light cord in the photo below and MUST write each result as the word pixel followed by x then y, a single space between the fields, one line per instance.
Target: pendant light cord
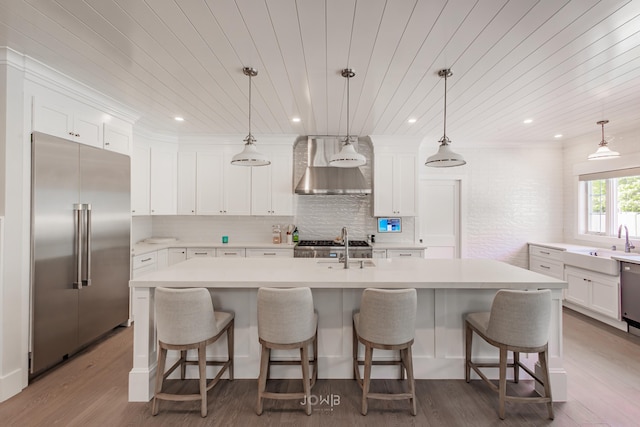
pixel 444 137
pixel 348 129
pixel 250 137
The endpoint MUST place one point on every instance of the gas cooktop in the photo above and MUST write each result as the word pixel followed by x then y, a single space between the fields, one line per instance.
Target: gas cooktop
pixel 329 243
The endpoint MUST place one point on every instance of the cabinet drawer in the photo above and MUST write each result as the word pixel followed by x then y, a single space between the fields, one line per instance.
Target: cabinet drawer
pixel 539 251
pixel 405 253
pixel 546 267
pixel 222 252
pixel 200 252
pixel 144 260
pixel 269 253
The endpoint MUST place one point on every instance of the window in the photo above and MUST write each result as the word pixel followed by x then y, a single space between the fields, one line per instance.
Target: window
pixel 612 199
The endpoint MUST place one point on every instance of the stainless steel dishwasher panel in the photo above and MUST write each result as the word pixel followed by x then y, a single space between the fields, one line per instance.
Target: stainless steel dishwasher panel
pixel 630 295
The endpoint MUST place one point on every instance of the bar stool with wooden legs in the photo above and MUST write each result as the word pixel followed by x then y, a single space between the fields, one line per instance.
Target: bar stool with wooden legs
pixel 186 320
pixel 386 321
pixel 518 322
pixel 286 320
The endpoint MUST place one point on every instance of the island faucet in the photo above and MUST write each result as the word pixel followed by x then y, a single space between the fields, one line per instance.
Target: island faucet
pixel 345 242
pixel 627 244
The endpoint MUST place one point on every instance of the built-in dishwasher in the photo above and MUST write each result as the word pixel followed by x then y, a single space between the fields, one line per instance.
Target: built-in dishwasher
pixel 630 295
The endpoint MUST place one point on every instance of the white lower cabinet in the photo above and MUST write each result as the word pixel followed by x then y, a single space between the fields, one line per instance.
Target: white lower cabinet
pixel 405 253
pixel 269 253
pixel 379 253
pixel 144 263
pixel 546 261
pixel 594 291
pixel 177 255
pixel 200 252
pixel 231 253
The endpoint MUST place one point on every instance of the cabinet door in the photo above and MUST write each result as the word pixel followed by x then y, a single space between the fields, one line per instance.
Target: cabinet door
pixel 379 253
pixel 405 253
pixel 53 117
pixel 162 258
pixel 404 185
pixel 87 126
pixel 281 183
pixel 118 138
pixel 209 183
pixel 230 253
pixel 140 176
pixel 163 197
pixel 261 190
pixel 237 187
pixel 200 252
pixel 605 297
pixel 578 288
pixel 186 183
pixel 383 186
pixel 177 255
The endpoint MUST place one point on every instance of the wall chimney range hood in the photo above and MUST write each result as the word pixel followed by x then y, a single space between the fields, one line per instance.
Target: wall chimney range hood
pixel 321 179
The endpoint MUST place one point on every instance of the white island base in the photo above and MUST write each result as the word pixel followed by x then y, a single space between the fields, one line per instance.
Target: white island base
pixel 446 289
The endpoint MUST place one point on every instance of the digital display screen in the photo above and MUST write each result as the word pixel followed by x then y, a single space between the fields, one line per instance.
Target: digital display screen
pixel 389 225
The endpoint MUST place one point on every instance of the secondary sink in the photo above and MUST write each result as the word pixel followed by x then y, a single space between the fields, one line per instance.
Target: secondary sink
pixel 598 260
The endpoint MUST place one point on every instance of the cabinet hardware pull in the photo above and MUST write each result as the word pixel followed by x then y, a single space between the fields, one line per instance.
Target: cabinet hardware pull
pixel 269 253
pixel 200 253
pixel 546 253
pixel 545 266
pixel 146 259
pixel 405 254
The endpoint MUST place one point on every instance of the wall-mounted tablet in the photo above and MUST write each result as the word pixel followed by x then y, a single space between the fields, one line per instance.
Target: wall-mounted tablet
pixel 389 225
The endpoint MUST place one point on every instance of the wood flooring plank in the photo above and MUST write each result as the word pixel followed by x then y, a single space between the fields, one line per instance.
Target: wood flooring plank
pixel 91 390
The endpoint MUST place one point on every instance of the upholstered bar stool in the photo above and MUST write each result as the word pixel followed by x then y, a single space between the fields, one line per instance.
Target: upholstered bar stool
pixel 286 320
pixel 518 322
pixel 186 320
pixel 386 321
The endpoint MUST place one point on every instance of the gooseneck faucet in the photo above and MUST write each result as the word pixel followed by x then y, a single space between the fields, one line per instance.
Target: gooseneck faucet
pixel 627 244
pixel 345 242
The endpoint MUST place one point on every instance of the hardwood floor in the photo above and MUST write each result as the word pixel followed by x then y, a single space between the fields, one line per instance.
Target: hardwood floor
pixel 603 367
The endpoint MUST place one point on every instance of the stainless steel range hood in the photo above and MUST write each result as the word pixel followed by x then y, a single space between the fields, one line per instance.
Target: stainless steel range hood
pixel 321 179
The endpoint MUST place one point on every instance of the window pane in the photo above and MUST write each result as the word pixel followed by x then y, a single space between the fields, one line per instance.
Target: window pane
pixel 628 190
pixel 596 204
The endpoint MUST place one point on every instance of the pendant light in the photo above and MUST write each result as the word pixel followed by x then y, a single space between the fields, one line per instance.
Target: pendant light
pixel 348 157
pixel 250 155
pixel 603 152
pixel 445 158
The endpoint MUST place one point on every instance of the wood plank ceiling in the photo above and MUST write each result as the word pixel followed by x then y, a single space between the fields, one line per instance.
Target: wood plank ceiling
pixel 563 64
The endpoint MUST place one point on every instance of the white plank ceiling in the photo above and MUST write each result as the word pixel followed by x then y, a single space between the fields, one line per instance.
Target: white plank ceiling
pixel 563 64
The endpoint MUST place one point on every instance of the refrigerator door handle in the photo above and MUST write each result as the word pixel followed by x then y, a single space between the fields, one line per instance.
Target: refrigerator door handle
pixel 86 281
pixel 77 210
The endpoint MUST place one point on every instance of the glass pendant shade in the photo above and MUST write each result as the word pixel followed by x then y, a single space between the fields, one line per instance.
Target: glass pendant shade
pixel 348 157
pixel 603 151
pixel 250 156
pixel 445 157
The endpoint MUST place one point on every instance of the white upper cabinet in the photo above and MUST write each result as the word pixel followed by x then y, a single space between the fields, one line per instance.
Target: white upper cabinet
pixel 271 186
pixel 186 183
pixel 68 119
pixel 395 176
pixel 221 188
pixel 140 179
pixel 59 115
pixel 163 194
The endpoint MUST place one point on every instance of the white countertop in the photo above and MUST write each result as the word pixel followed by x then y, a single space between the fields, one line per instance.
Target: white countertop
pixel 315 273
pixel 632 258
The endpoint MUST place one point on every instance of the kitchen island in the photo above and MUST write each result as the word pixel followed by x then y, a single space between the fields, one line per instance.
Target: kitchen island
pixel 447 289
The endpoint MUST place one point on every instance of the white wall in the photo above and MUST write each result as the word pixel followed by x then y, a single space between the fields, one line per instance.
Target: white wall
pixel 514 197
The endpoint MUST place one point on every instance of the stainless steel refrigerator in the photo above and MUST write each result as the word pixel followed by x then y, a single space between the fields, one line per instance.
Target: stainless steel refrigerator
pixel 80 227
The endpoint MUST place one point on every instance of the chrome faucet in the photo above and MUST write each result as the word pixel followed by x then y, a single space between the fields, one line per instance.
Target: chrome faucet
pixel 627 244
pixel 345 242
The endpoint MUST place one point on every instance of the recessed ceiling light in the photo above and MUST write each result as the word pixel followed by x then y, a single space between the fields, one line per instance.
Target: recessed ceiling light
pixel 412 120
pixel 527 121
pixel 296 119
pixel 179 119
pixel 558 135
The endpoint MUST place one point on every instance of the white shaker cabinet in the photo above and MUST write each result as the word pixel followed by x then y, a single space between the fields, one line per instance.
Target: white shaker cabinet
pixel 405 253
pixel 394 184
pixel 177 255
pixel 187 183
pixel 597 292
pixel 221 188
pixel 163 191
pixel 272 186
pixel 140 176
pixel 118 136
pixel 546 261
pixel 59 116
